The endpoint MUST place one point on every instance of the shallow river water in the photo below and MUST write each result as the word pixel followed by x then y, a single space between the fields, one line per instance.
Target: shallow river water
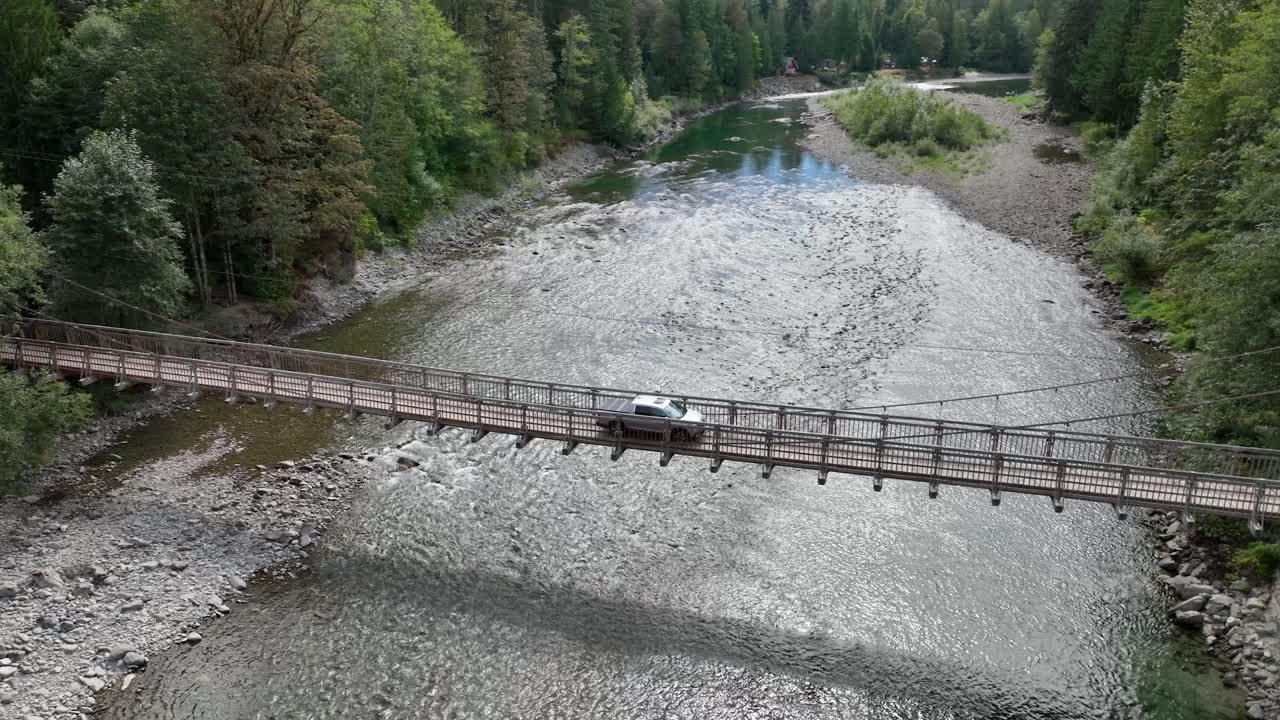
pixel 496 583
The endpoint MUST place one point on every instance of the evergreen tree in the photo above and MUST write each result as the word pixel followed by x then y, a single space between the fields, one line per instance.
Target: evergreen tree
pixel 29 33
pixel 1100 69
pixel 112 231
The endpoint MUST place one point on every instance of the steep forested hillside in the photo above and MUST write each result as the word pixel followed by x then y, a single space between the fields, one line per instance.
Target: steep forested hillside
pixel 1186 206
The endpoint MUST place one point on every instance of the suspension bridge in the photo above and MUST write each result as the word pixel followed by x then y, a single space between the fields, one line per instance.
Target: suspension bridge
pixel 1121 471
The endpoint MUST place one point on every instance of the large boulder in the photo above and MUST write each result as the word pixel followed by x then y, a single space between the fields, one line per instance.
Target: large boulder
pixel 1218 604
pixel 1189 618
pixel 1194 604
pixel 1195 588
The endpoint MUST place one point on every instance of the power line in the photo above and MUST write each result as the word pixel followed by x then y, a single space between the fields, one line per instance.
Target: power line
pixel 139 309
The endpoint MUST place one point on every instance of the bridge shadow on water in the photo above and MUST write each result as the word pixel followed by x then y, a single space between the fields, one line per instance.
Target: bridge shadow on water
pixel 628 627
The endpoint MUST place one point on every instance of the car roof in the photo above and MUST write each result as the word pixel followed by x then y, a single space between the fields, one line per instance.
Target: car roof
pixel 650 400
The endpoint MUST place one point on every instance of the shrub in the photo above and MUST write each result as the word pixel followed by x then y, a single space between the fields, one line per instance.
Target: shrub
pixel 1259 559
pixel 925 147
pixel 885 112
pixel 33 411
pixel 1131 248
pixel 1098 137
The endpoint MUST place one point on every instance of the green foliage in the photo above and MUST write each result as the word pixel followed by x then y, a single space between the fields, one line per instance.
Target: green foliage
pixel 1131 248
pixel 33 411
pixel 1024 101
pixel 1188 204
pixel 888 112
pixel 1260 560
pixel 30 33
pixel 22 257
pixel 113 232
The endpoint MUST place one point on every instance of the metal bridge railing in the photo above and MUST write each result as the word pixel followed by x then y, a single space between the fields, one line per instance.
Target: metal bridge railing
pixel 938 435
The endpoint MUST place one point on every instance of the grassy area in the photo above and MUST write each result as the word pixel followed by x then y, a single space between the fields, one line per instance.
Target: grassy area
pixel 921 130
pixel 1025 101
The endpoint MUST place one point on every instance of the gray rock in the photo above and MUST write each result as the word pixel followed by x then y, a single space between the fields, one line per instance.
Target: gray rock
pixel 99 574
pixel 117 652
pixel 1230 679
pixel 1256 712
pixel 1195 588
pixel 93 683
pixel 285 465
pixel 66 626
pixel 276 536
pixel 1254 603
pixel 1218 603
pixel 8 671
pixel 131 606
pixel 1194 604
pixel 47 621
pixel 213 601
pixel 46 578
pixel 8 590
pixel 134 659
pixel 178 565
pixel 193 638
pixel 236 582
pixel 1240 585
pixel 307 535
pixel 83 588
pixel 1167 564
pixel 1190 618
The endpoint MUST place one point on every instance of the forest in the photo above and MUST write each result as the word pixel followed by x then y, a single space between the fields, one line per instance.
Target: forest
pixel 163 158
pixel 1179 101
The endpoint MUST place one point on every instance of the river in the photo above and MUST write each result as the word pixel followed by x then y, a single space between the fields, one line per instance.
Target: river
pixel 492 582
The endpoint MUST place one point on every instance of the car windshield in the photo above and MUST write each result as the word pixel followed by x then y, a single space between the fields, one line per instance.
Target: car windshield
pixel 673 410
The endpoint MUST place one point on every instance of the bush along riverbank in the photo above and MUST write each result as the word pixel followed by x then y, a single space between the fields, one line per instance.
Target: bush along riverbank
pixel 918 129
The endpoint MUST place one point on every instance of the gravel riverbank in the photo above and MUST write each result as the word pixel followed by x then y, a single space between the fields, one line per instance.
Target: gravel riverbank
pixel 92 584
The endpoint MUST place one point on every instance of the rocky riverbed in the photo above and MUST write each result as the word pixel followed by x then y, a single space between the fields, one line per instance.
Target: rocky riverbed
pixel 1239 620
pixel 92 584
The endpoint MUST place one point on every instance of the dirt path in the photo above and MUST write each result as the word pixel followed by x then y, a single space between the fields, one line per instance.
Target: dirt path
pixel 1018 194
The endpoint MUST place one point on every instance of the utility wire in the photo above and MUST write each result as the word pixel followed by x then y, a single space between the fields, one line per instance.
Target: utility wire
pixel 139 309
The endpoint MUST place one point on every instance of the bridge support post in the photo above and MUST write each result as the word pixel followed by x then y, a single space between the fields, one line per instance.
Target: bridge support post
pixel 822 477
pixel 877 483
pixel 1255 514
pixel 1059 476
pixel 391 423
pixel 1121 509
pixel 715 464
pixel 569 447
pixel 523 441
pixel 766 470
pixel 933 490
pixel 122 385
pixel 478 434
pixel 617 451
pixel 666 458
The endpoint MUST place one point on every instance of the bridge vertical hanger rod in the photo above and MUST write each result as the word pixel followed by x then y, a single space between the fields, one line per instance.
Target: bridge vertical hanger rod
pixel 480 430
pixel 933 489
pixel 1187 517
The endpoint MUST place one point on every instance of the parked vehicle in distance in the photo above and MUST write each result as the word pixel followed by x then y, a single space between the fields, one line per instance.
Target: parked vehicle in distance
pixel 650 413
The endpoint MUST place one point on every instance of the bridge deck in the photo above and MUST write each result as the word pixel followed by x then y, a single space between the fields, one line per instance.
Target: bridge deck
pixel 1121 471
